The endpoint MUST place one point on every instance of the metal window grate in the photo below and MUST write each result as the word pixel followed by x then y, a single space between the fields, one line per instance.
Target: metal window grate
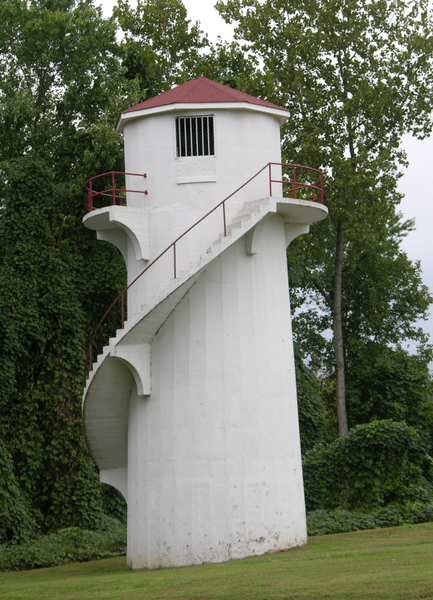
pixel 195 136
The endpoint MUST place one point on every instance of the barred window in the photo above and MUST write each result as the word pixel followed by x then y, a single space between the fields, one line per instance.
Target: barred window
pixel 195 136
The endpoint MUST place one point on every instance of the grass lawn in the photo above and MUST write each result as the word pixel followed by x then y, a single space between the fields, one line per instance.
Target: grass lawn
pixel 391 564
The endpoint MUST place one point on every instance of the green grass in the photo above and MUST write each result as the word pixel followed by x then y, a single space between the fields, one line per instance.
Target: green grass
pixel 380 564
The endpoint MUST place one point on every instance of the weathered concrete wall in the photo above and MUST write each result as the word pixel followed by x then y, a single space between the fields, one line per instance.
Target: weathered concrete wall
pixel 214 453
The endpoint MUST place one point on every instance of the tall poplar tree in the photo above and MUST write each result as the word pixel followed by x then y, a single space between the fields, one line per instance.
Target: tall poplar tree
pixel 355 76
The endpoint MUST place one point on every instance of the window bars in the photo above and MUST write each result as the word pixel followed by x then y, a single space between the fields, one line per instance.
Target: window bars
pixel 195 136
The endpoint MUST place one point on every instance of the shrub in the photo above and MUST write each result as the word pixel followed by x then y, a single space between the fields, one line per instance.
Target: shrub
pixel 311 409
pixel 16 522
pixel 65 546
pixel 377 463
pixel 320 522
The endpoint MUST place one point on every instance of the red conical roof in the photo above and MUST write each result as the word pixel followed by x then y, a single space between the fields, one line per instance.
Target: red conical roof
pixel 198 91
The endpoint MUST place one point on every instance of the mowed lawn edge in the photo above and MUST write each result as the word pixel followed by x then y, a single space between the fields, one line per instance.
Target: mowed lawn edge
pixel 381 564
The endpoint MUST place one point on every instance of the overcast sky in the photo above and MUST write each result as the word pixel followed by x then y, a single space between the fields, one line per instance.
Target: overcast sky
pixel 416 184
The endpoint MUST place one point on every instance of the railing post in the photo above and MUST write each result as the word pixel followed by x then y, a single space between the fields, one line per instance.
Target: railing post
pixel 174 260
pixel 90 196
pixel 270 180
pixel 113 185
pixel 122 309
pixel 224 219
pixel 295 189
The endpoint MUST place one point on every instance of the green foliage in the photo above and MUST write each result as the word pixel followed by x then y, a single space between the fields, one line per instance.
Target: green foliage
pixel 228 64
pixel 67 545
pixel 44 329
pixel 61 90
pixel 161 46
pixel 16 522
pixel 311 408
pixel 320 521
pixel 114 504
pixel 387 383
pixel 377 463
pixel 58 60
pixel 383 292
pixel 382 296
pixel 355 77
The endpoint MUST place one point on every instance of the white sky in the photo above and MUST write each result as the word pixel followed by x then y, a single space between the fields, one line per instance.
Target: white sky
pixel 416 184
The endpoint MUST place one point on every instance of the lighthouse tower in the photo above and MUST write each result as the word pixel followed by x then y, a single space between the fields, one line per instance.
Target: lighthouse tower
pixel 191 410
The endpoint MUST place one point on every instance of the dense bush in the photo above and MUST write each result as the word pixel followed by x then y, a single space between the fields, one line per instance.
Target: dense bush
pixel 16 522
pixel 389 383
pixel 65 546
pixel 113 503
pixel 59 107
pixel 43 332
pixel 311 409
pixel 320 522
pixel 377 463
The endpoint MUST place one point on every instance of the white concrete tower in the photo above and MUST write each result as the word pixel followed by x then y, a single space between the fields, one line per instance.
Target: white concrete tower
pixel 191 410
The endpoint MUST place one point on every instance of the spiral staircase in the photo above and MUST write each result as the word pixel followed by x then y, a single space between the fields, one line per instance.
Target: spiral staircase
pixel 126 359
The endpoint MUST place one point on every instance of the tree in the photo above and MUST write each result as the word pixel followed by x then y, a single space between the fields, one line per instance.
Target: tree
pixel 355 76
pixel 161 46
pixel 389 383
pixel 379 463
pixel 383 295
pixel 311 408
pixel 61 88
pixel 64 81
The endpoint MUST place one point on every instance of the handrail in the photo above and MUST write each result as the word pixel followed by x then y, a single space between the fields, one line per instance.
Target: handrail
pixel 117 194
pixel 316 188
pixel 317 193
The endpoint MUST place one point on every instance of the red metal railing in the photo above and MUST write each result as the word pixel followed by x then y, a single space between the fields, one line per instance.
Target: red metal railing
pixel 291 185
pixel 116 195
pixel 296 188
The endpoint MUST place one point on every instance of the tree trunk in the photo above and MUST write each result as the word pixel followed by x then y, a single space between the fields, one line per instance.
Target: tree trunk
pixel 338 335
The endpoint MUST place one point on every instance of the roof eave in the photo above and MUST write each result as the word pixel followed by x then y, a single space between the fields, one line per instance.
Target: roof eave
pixel 280 113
